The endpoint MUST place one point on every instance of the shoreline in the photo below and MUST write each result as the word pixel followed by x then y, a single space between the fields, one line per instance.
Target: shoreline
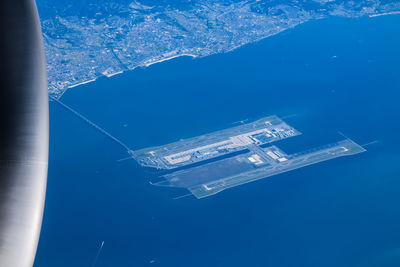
pixel 385 14
pixel 149 62
pixel 123 71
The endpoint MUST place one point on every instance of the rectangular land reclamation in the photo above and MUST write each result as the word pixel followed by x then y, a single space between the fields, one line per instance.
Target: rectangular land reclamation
pixel 255 162
pixel 216 144
pixel 211 178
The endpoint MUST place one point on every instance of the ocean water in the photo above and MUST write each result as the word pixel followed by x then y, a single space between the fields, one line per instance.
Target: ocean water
pixel 323 77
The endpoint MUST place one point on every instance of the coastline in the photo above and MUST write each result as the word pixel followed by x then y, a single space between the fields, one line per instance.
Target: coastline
pixel 152 61
pixel 123 71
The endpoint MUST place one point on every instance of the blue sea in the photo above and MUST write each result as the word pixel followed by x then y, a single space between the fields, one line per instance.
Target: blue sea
pixel 323 77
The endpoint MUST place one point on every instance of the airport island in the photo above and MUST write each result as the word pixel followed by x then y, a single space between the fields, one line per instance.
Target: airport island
pixel 210 163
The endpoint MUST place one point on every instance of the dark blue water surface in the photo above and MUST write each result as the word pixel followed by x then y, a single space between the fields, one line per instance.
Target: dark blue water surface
pixel 333 75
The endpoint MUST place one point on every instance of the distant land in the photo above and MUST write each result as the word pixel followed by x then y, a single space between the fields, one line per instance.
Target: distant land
pixel 84 40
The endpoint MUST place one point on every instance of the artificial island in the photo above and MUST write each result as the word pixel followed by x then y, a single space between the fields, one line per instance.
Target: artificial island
pixel 210 163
